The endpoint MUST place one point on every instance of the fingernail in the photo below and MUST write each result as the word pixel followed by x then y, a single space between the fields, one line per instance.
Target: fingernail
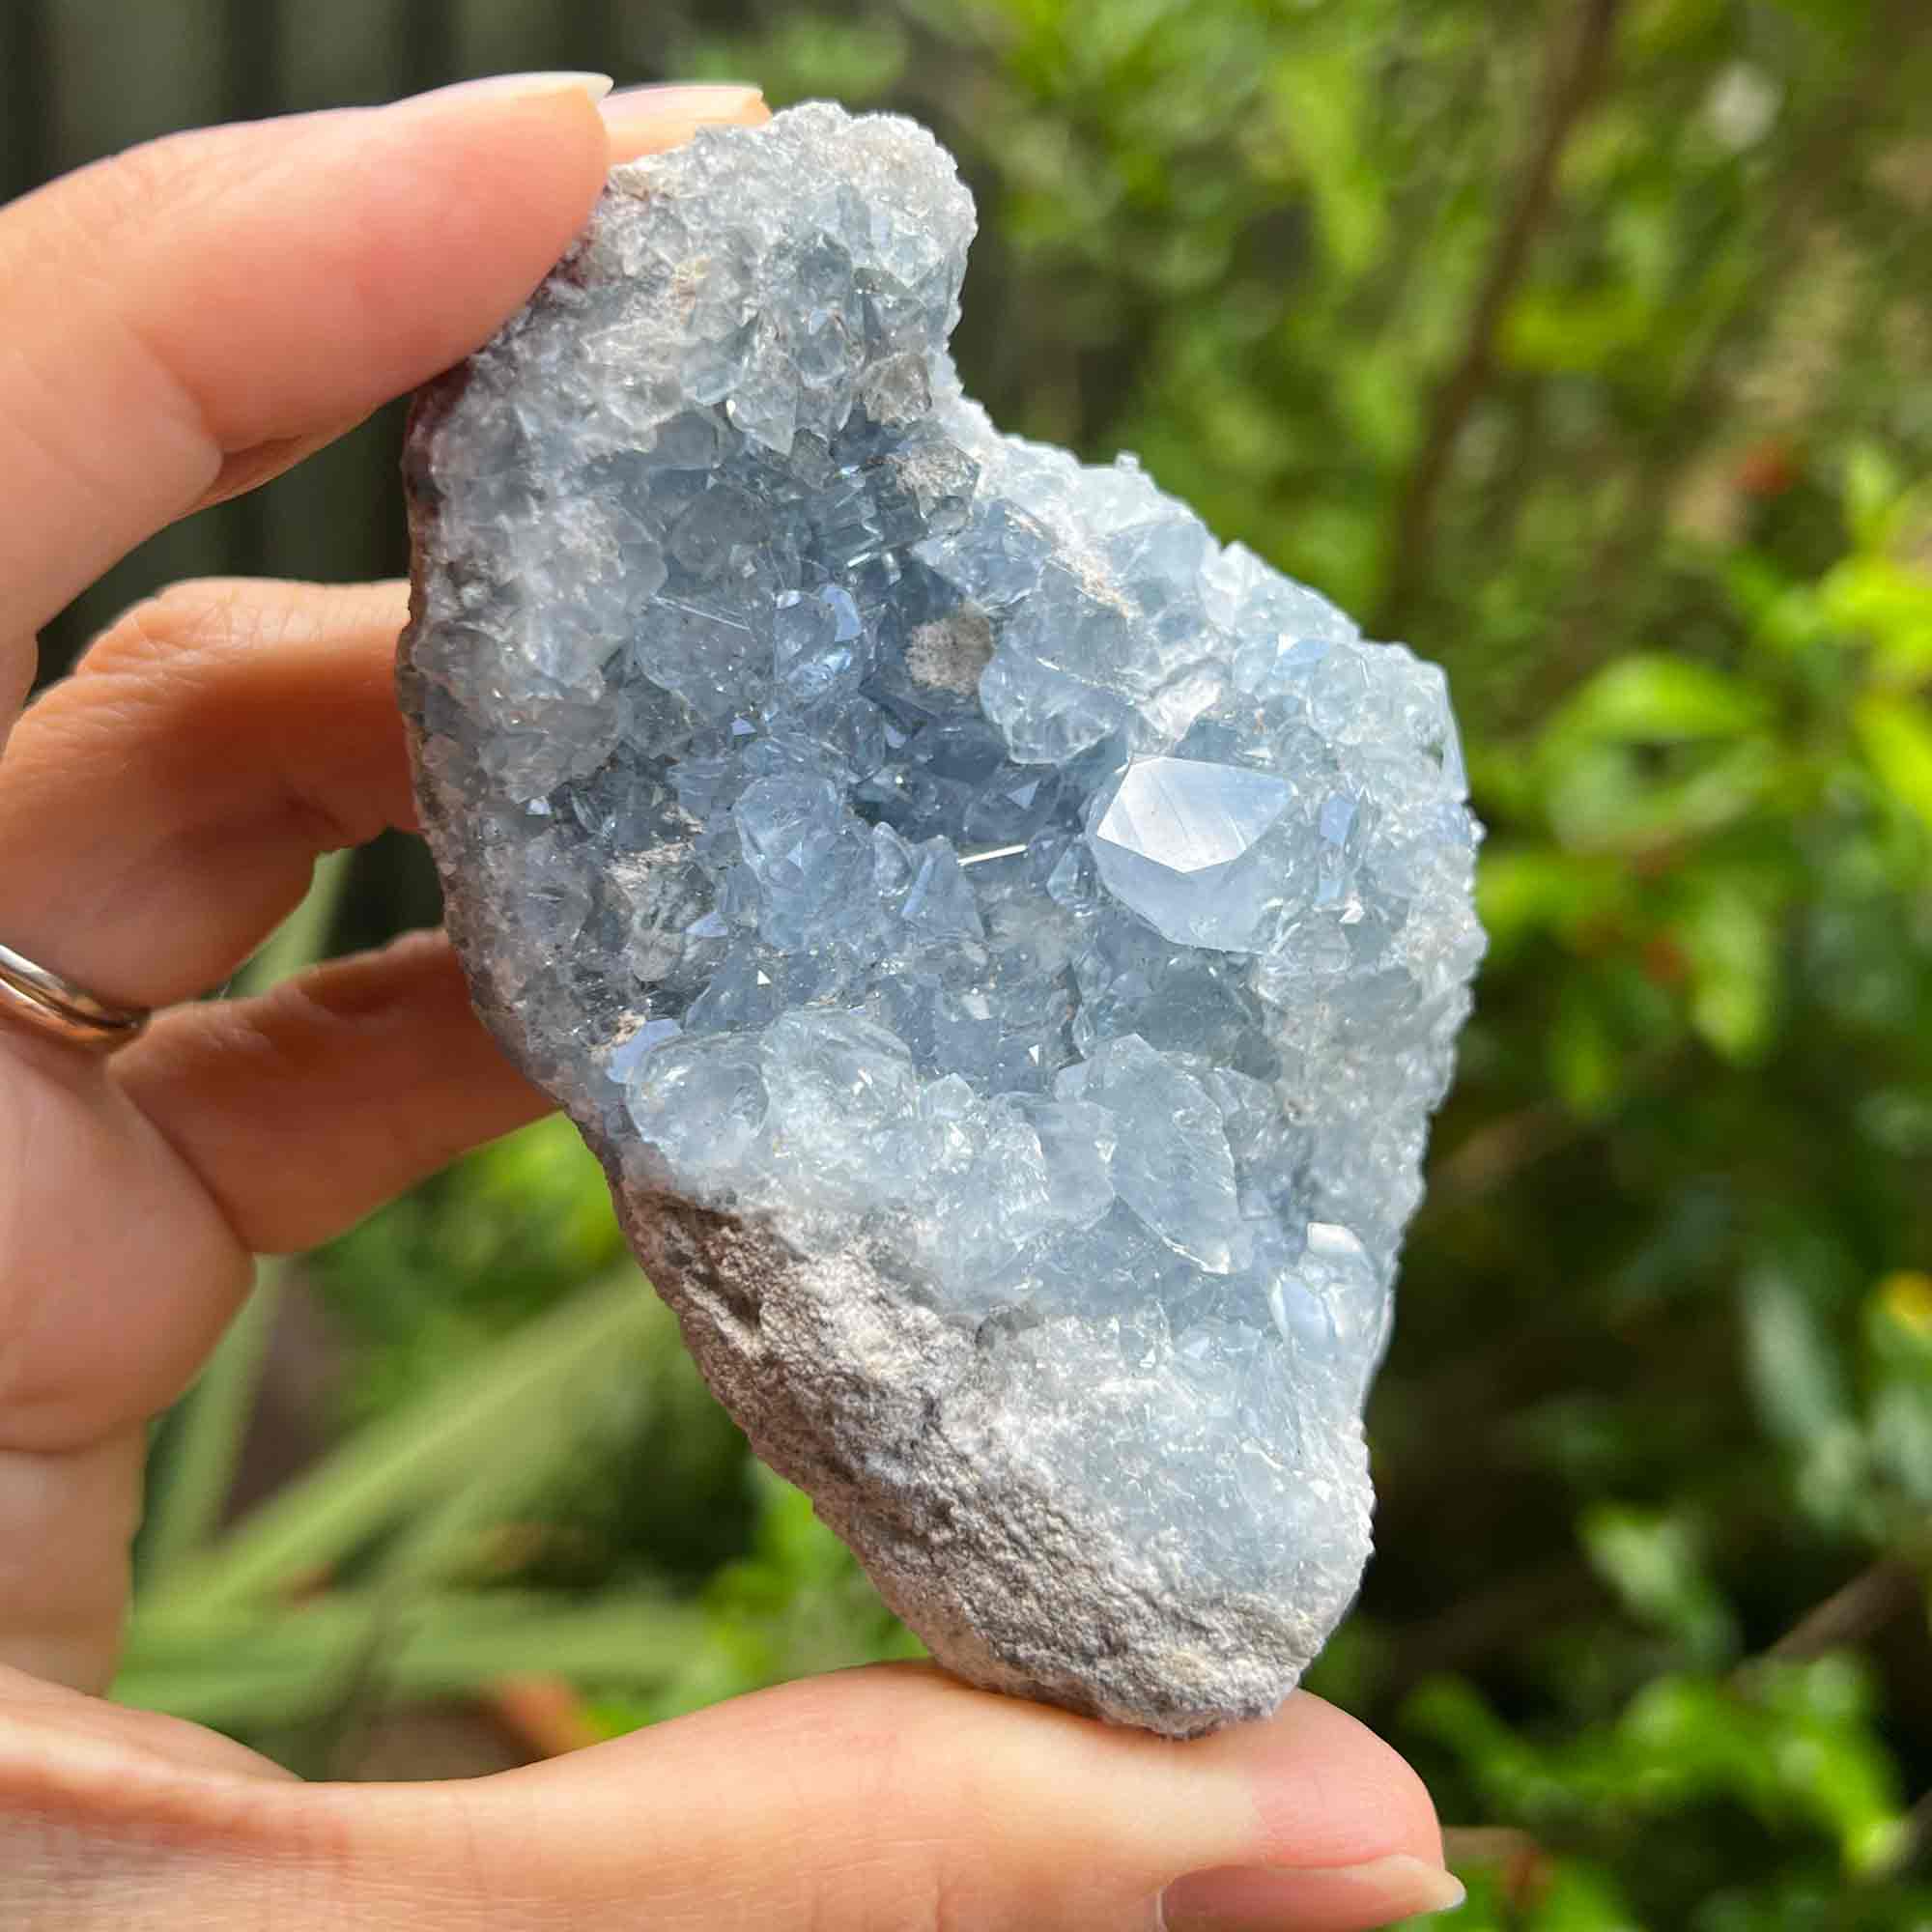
pixel 520 87
pixel 1329 1898
pixel 708 101
pixel 678 108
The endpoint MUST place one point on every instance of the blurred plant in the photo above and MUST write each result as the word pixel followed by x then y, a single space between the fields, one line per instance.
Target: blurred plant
pixel 1691 833
pixel 1780 1766
pixel 1711 880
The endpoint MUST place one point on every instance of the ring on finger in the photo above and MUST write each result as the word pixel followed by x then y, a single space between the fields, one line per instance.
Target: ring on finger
pixel 59 1008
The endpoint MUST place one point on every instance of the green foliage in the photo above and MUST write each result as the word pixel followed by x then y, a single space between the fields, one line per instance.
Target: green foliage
pixel 1710 873
pixel 1655 1442
pixel 1782 1763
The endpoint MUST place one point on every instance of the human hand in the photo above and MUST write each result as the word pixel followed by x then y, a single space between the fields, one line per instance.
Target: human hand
pixel 176 325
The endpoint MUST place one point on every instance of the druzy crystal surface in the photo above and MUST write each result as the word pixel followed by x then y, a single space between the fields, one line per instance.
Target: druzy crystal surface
pixel 1005 945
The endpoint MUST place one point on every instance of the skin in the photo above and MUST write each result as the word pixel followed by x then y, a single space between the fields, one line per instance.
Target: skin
pixel 228 301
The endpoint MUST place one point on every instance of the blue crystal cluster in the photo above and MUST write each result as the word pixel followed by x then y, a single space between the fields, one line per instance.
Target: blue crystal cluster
pixel 924 843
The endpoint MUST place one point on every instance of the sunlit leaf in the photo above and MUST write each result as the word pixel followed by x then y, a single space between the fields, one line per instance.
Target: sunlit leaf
pixel 1652 699
pixel 1887 605
pixel 1896 734
pixel 1556 330
pixel 1655 1563
pixel 1873 486
pixel 1730 937
pixel 1796 1367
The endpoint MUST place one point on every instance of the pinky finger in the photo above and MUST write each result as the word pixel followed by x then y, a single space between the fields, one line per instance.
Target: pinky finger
pixel 306 1107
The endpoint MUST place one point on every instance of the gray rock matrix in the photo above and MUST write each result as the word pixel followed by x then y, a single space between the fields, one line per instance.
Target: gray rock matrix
pixel 1004 946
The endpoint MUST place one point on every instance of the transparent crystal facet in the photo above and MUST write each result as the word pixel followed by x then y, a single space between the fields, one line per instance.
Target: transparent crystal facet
pixel 1177 841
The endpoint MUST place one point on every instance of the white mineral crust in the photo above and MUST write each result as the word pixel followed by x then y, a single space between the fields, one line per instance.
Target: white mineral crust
pixel 1004 946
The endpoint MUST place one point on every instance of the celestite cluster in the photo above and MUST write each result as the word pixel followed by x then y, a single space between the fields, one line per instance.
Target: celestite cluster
pixel 1005 946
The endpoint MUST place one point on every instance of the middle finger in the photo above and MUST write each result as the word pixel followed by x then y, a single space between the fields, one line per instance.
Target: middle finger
pixel 160 810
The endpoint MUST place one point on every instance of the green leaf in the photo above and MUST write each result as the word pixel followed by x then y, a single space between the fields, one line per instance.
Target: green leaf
pixel 1560 331
pixel 1730 937
pixel 1889 604
pixel 1652 699
pixel 1523 890
pixel 524 1405
pixel 1582 1897
pixel 239 1666
pixel 1897 736
pixel 1586 1056
pixel 1795 1369
pixel 1608 1017
pixel 1843 19
pixel 1898 1334
pixel 1795 1366
pixel 1601 799
pixel 190 1484
pixel 1832 1767
pixel 1655 1563
pixel 1322 103
pixel 1873 487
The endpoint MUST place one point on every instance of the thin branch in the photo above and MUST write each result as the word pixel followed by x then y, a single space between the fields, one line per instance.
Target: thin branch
pixel 1486 1844
pixel 1863 1606
pixel 1495 1621
pixel 1522 1866
pixel 1577 68
pixel 1493 1154
pixel 1500 1149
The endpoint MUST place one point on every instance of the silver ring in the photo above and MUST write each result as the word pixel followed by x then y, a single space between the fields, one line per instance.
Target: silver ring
pixel 62 1010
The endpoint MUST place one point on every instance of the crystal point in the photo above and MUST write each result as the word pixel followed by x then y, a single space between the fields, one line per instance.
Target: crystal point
pixel 1004 946
pixel 1176 841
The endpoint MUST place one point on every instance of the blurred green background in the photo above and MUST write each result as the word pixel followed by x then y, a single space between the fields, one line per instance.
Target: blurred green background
pixel 1584 343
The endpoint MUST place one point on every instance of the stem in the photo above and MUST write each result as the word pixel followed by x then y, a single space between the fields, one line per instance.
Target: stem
pixel 1576 71
pixel 211 1421
pixel 1889 1588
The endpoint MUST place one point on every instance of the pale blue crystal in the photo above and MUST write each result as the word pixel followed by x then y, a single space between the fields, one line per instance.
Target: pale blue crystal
pixel 1178 840
pixel 1077 1140
pixel 939 903
pixel 1171 1161
pixel 946 858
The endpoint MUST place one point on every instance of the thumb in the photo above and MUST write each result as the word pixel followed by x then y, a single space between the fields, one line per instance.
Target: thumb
pixel 897 1800
pixel 890 1800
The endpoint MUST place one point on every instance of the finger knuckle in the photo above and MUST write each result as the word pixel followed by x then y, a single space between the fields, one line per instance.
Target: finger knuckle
pixel 158 180
pixel 168 629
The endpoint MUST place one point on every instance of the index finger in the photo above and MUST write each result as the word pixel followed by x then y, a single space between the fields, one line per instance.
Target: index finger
pixel 171 314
